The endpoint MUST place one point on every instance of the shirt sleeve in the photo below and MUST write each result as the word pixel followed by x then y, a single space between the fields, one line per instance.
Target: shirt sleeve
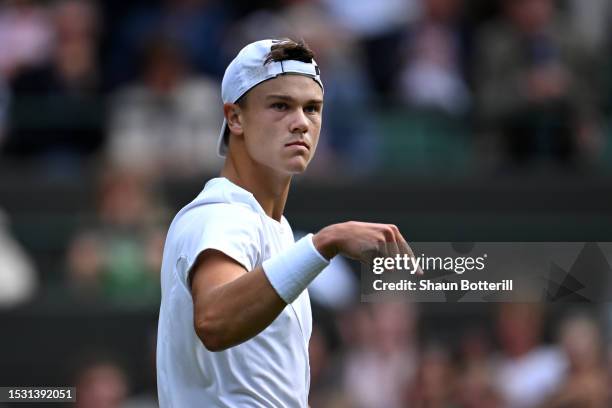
pixel 231 229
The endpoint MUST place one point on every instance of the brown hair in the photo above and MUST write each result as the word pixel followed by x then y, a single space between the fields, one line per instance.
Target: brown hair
pixel 287 49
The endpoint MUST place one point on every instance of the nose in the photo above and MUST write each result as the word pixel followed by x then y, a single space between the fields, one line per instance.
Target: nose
pixel 299 122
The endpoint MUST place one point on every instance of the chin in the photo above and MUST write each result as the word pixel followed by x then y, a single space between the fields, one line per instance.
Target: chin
pixel 296 170
pixel 296 166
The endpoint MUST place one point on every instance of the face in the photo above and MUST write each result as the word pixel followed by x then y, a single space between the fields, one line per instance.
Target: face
pixel 280 122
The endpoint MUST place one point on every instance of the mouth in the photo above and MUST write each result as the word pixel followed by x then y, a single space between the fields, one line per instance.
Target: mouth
pixel 298 143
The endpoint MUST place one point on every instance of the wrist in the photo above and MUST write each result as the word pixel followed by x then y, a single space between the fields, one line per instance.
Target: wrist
pixel 324 242
pixel 291 271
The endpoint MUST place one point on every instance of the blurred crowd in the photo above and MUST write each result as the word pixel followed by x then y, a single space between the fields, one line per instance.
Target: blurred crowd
pixel 379 355
pixel 509 84
pixel 451 87
pixel 387 360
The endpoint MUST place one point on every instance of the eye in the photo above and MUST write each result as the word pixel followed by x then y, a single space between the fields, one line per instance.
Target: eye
pixel 312 109
pixel 281 106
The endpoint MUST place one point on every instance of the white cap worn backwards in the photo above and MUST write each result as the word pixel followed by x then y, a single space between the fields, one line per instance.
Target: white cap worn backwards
pixel 248 70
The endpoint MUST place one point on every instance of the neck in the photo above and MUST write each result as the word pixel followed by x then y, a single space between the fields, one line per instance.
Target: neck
pixel 269 188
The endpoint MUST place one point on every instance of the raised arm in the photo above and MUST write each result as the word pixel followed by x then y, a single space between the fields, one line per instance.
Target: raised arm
pixel 231 305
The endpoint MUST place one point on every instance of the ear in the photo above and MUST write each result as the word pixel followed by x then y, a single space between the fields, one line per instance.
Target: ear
pixel 233 117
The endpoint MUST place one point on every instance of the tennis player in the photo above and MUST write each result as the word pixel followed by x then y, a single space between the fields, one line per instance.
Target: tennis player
pixel 235 317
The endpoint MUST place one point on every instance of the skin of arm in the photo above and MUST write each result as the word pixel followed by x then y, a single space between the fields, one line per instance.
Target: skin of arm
pixel 232 305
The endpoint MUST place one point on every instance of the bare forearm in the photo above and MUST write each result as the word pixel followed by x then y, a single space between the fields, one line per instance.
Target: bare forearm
pixel 231 306
pixel 235 308
pixel 237 311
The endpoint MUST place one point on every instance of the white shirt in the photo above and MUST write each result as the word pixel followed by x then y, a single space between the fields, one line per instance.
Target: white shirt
pixel 269 370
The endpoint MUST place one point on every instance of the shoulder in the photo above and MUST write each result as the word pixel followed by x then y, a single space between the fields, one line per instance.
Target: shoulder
pixel 217 218
pixel 231 229
pixel 231 213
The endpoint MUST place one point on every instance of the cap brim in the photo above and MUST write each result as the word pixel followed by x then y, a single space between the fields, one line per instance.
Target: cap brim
pixel 221 147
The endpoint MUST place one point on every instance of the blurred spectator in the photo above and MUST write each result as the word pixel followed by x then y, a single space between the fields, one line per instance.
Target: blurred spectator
pixel 25 34
pixel 366 19
pixel 537 84
pixel 147 398
pixel 436 52
pixel 435 383
pixel 101 384
pixel 18 280
pixel 588 383
pixel 526 372
pixel 84 261
pixel 197 26
pixel 377 27
pixel 167 123
pixel 381 358
pixel 259 23
pixel 325 378
pixel 119 258
pixel 475 386
pixel 56 110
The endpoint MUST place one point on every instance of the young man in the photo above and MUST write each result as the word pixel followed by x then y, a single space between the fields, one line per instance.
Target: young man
pixel 235 317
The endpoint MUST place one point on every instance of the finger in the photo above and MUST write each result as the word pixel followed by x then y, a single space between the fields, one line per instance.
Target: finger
pixel 393 251
pixel 419 270
pixel 403 246
pixel 391 247
pixel 401 242
pixel 406 249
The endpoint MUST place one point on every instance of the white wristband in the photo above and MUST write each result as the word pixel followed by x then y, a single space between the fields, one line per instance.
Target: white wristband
pixel 291 271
